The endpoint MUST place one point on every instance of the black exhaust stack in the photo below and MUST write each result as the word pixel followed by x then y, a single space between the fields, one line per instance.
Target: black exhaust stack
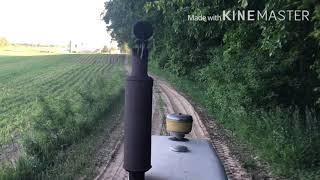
pixel 138 108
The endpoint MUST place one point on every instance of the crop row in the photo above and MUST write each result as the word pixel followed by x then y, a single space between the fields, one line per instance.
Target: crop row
pixel 22 83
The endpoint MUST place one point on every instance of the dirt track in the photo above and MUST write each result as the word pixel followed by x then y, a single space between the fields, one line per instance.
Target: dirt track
pixel 167 100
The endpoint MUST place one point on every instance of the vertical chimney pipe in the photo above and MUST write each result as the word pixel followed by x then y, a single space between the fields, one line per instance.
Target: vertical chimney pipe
pixel 138 110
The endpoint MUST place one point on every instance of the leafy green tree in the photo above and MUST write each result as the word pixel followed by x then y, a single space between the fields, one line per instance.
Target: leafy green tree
pixel 105 49
pixel 249 68
pixel 3 42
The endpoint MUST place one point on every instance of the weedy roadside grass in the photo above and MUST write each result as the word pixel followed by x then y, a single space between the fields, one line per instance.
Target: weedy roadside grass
pixel 75 161
pixel 288 151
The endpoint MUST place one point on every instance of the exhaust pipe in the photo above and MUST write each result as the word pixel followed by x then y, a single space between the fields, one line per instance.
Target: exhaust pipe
pixel 138 108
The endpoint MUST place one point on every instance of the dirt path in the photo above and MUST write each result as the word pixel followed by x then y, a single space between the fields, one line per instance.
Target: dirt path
pixel 113 170
pixel 175 102
pixel 167 100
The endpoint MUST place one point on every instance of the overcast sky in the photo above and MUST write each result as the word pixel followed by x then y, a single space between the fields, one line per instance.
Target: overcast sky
pixel 54 21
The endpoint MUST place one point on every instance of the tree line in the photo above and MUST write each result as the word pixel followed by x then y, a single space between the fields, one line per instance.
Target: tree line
pixel 261 78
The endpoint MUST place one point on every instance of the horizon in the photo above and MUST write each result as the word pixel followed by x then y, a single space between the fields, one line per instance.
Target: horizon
pixel 49 22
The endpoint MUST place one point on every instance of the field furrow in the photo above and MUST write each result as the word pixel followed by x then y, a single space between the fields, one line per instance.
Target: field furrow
pixel 22 83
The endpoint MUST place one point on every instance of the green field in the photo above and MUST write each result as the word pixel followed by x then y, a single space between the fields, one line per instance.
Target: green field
pixel 50 102
pixel 24 50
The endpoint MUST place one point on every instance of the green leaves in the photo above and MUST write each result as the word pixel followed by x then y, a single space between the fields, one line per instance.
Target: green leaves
pixel 244 3
pixel 246 66
pixel 316 20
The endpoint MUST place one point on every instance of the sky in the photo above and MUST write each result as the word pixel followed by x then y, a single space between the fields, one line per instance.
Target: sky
pixel 54 22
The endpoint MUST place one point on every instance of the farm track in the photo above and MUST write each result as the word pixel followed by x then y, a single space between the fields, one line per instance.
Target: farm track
pixel 64 79
pixel 177 103
pixel 174 102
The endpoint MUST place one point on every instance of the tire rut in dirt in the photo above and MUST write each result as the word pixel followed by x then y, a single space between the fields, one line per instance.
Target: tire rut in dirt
pixel 172 98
